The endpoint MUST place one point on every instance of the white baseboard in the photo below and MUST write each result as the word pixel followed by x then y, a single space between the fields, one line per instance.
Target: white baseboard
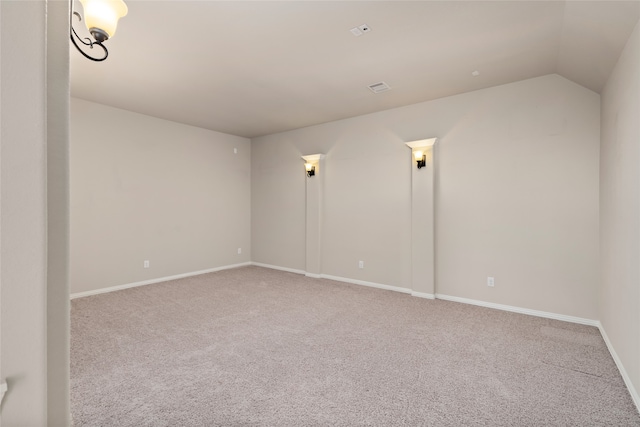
pixel 275 267
pixel 422 295
pixel 352 281
pixel 364 283
pixel 345 280
pixel 623 372
pixel 521 310
pixel 152 281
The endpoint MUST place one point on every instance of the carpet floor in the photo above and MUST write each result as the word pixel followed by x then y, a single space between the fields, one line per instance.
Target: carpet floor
pixel 259 347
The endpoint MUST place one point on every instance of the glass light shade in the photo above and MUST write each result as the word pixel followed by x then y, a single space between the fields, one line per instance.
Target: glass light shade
pixel 418 154
pixel 103 14
pixel 308 166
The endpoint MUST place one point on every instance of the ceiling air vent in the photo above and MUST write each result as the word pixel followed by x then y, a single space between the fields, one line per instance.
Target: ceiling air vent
pixel 379 87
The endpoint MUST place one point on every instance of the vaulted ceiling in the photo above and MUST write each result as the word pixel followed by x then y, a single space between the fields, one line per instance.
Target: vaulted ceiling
pixel 253 68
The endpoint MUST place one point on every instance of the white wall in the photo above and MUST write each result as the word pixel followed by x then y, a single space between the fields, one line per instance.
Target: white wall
pixel 23 226
pixel 516 195
pixel 620 209
pixel 58 408
pixel 143 188
pixel 34 307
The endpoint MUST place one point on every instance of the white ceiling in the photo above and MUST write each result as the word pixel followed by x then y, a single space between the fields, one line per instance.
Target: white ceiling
pixel 253 68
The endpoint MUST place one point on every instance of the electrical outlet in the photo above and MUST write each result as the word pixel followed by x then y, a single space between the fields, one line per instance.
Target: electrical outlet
pixel 490 281
pixel 360 264
pixel 239 251
pixel 146 263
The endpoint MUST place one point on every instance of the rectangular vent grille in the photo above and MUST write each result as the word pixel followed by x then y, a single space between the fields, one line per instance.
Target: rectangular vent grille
pixel 379 87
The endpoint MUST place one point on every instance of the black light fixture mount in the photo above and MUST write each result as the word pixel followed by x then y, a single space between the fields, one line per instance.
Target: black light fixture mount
pixel 311 169
pixel 101 17
pixel 311 163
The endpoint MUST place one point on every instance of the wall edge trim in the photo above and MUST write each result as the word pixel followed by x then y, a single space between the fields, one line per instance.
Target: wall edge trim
pixel 338 279
pixel 152 281
pixel 521 310
pixel 365 283
pixel 275 267
pixel 422 295
pixel 623 372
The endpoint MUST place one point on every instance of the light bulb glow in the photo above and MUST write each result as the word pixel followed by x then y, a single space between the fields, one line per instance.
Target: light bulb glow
pixel 103 14
pixel 308 166
pixel 418 154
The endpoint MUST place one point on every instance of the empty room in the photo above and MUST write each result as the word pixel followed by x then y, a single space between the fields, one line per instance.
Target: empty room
pixel 309 213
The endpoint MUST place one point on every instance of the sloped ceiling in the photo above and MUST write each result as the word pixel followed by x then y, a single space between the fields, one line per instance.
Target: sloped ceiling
pixel 252 68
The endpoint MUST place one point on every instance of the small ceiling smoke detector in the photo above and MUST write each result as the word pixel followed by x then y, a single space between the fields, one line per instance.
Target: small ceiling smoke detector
pixel 364 28
pixel 476 73
pixel 379 87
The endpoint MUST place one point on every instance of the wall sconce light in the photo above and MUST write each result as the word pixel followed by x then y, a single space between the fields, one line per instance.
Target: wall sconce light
pixel 310 168
pixel 311 162
pixel 420 149
pixel 421 158
pixel 101 17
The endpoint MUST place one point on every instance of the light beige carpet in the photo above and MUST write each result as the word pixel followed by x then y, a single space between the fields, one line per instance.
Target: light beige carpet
pixel 258 347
